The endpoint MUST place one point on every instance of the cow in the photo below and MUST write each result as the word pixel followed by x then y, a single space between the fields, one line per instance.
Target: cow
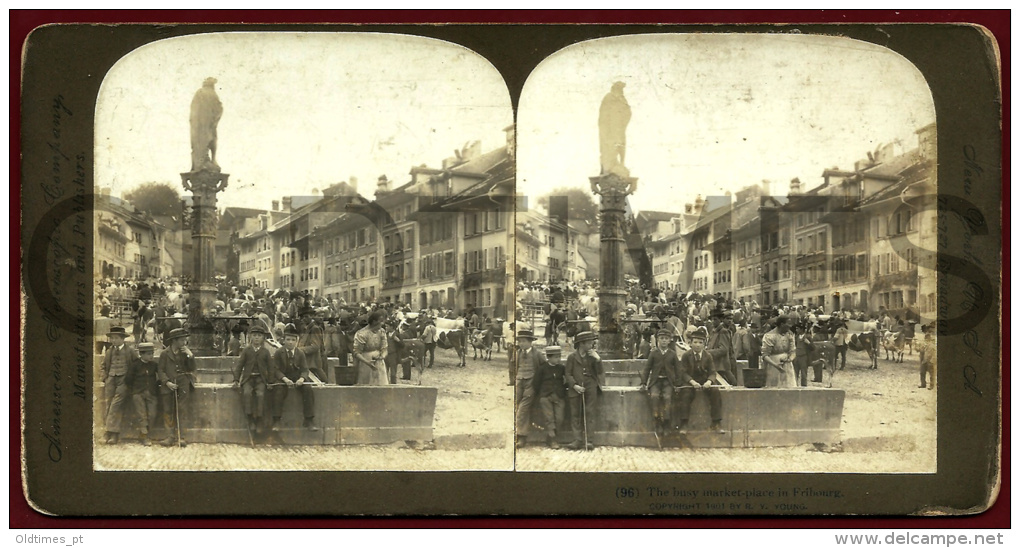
pixel 893 341
pixel 453 334
pixel 405 350
pixel 865 337
pixel 823 358
pixel 481 343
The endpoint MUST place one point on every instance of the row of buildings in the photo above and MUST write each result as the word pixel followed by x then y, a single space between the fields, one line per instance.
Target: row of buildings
pixel 862 240
pixel 129 243
pixel 441 239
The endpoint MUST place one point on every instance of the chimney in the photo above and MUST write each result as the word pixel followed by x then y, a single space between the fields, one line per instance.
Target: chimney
pixel 511 140
pixel 558 208
pixel 699 204
pixel 382 185
pixel 276 205
pixel 795 189
pixel 287 200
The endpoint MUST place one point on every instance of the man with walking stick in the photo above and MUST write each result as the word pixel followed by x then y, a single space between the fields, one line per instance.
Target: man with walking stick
pixel 176 376
pixel 585 378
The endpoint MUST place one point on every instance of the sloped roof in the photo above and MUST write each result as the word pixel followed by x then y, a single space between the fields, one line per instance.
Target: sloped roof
pixel 657 216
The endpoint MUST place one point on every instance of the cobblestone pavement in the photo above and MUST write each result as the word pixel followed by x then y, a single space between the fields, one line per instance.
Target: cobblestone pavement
pixel 473 431
pixel 888 427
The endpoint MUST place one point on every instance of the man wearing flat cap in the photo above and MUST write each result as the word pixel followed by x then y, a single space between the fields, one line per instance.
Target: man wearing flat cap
pixel 143 381
pixel 698 373
pixel 659 379
pixel 253 374
pixel 116 363
pixel 529 360
pixel 585 377
pixel 176 372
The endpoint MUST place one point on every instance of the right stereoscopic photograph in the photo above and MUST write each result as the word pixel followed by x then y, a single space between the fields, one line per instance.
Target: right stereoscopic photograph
pixel 724 258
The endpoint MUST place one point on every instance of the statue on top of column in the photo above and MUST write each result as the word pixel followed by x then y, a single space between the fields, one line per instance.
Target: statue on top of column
pixel 206 110
pixel 614 115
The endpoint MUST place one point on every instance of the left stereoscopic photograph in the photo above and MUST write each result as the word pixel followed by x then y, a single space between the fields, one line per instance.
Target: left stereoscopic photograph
pixel 300 258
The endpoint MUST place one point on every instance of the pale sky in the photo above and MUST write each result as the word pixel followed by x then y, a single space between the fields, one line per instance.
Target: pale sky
pixel 301 111
pixel 717 112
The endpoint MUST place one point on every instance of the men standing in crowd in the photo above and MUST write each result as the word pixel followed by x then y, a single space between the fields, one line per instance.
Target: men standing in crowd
pixel 118 359
pixel 142 381
pixel 291 369
pixel 778 350
pixel 660 378
pixel 698 373
pixel 840 339
pixel 253 374
pixel 529 360
pixel 176 371
pixel 585 378
pixel 430 336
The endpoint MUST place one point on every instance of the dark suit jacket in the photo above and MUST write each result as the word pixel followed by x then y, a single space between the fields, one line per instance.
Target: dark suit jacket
pixel 699 370
pixel 549 380
pixel 293 369
pixel 661 365
pixel 252 361
pixel 578 368
pixel 177 369
pixel 142 377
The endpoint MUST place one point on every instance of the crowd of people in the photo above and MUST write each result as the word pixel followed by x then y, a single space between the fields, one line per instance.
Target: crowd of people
pixel 281 339
pixel 693 344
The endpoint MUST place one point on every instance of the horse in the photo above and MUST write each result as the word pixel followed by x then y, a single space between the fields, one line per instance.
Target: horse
pixel 552 326
pixel 453 334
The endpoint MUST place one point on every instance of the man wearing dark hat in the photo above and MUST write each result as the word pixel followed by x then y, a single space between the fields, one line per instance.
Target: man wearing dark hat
pixel 529 360
pixel 720 346
pixel 175 371
pixel 659 379
pixel 291 369
pixel 116 363
pixel 253 373
pixel 142 381
pixel 698 373
pixel 585 377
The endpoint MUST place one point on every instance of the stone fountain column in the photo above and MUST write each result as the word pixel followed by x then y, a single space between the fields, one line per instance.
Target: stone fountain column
pixel 202 293
pixel 614 189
